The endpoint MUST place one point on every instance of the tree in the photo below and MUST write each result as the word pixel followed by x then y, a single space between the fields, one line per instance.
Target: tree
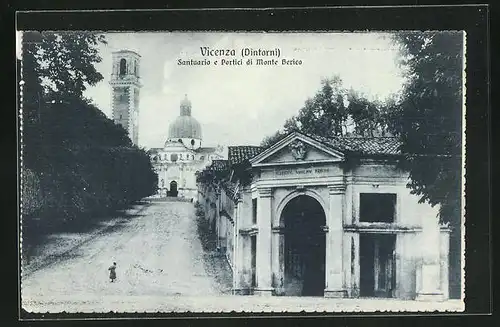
pixel 84 164
pixel 370 118
pixel 67 62
pixel 429 121
pixel 325 113
pixel 429 116
pixel 57 67
pixel 290 126
pixel 335 111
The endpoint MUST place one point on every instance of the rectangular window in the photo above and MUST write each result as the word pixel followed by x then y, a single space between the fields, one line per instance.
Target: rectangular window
pixel 377 207
pixel 254 211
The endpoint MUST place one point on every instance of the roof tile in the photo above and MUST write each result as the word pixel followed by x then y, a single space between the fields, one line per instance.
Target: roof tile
pixel 363 145
pixel 371 145
pixel 238 154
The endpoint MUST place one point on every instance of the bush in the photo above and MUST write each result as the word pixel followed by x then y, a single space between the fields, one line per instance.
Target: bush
pixel 86 165
pixel 199 212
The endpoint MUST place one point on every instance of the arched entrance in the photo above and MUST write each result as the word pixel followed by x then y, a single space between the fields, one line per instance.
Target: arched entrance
pixel 305 247
pixel 173 189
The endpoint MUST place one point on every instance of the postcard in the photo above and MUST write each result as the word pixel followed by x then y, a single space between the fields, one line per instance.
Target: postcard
pixel 189 171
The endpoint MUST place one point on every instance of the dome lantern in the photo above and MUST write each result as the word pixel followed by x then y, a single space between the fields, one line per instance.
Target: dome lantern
pixel 185 106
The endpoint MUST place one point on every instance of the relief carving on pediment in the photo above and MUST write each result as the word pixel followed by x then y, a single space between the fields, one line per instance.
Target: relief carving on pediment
pixel 298 149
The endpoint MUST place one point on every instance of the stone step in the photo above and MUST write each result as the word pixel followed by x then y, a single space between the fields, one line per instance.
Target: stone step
pixel 169 199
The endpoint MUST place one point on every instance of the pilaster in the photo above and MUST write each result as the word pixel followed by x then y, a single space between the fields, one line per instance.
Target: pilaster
pixel 445 250
pixel 263 259
pixel 239 285
pixel 278 259
pixel 334 240
pixel 430 274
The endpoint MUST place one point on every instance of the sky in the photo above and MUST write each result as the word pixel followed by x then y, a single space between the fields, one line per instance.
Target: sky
pixel 240 105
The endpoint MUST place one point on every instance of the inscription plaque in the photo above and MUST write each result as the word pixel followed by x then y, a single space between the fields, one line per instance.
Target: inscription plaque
pixel 298 172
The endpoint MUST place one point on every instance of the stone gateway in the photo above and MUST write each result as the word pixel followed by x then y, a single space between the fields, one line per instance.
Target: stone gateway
pixel 311 216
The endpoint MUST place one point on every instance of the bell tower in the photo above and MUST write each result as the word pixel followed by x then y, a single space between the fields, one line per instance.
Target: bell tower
pixel 125 86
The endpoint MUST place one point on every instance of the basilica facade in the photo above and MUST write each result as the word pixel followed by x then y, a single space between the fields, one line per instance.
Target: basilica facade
pixel 182 155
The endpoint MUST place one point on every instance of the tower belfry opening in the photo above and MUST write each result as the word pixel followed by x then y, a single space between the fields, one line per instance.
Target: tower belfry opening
pixel 123 67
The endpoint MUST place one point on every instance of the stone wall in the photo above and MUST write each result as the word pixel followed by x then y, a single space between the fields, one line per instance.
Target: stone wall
pixel 220 211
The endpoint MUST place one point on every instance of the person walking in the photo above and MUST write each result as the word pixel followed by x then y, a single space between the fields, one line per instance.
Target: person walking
pixel 112 272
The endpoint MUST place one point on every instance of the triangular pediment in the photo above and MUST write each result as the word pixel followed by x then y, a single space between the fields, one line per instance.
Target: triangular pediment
pixel 297 148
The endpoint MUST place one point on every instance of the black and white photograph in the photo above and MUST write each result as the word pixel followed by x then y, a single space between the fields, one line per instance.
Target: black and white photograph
pixel 191 171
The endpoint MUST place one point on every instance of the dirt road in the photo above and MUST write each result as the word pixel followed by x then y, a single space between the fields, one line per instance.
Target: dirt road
pixel 157 253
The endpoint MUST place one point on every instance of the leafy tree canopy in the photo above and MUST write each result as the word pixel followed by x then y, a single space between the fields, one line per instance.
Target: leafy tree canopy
pixel 65 61
pixel 429 121
pixel 337 111
pixel 85 162
pixel 429 116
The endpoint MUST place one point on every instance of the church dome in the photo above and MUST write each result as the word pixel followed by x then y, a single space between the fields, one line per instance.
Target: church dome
pixel 185 126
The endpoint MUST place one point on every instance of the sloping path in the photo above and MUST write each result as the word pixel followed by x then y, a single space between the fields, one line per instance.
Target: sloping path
pixel 158 253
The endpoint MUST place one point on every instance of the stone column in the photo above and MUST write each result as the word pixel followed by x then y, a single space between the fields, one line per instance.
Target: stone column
pixel 430 289
pixel 264 243
pixel 334 235
pixel 347 267
pixel 355 268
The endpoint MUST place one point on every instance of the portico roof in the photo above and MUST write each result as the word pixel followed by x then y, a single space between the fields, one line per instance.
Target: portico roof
pixel 335 147
pixel 364 145
pixel 238 154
